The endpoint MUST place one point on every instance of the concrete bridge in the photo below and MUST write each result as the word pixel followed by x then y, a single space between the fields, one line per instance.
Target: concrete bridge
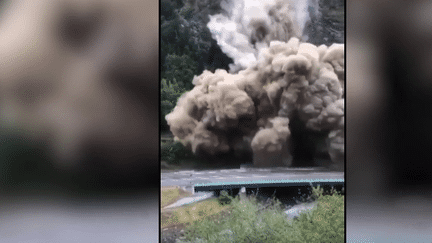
pixel 285 183
pixel 288 191
pixel 271 186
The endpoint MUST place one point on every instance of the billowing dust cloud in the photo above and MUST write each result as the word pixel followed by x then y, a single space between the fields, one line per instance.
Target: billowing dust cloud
pixel 276 80
pixel 81 76
pixel 249 26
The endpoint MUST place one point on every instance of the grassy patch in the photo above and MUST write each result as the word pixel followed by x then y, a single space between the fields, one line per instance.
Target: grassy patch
pixel 249 220
pixel 170 195
pixel 189 214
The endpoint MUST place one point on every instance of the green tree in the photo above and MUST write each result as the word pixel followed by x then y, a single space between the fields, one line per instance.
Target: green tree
pixel 170 92
pixel 187 12
pixel 168 8
pixel 180 70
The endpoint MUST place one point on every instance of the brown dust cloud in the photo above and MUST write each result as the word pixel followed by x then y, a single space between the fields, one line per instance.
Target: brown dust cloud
pixel 280 91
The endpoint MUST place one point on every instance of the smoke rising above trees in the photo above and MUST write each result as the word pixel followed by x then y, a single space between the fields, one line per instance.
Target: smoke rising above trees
pixel 277 83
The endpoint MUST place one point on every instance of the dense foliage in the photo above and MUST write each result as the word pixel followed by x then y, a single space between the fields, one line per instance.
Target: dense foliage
pixel 170 92
pixel 252 221
pixel 173 153
pixel 187 48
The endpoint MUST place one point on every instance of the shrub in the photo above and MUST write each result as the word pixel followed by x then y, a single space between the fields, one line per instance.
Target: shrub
pixel 224 198
pixel 326 223
pixel 252 221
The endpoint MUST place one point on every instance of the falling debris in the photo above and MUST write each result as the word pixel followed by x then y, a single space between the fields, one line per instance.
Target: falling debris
pixel 277 83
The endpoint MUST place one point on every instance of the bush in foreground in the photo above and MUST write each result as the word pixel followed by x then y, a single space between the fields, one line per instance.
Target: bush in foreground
pixel 252 221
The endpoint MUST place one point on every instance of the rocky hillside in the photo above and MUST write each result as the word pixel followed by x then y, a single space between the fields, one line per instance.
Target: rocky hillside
pixel 327 26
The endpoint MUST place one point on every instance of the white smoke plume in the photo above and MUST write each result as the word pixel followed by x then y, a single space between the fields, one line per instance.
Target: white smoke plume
pixel 249 26
pixel 275 78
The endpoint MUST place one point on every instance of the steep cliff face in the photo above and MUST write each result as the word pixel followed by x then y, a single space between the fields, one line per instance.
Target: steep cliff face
pixel 327 22
pixel 184 24
pixel 325 26
pixel 195 21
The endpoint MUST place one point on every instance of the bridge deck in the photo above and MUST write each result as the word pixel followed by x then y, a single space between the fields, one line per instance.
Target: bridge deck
pixel 266 183
pixel 281 180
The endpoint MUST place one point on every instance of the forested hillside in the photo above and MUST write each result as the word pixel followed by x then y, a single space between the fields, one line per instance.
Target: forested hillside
pixel 187 47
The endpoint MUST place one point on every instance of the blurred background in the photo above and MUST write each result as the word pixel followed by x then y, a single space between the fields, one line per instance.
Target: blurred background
pixel 79 121
pixel 389 84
